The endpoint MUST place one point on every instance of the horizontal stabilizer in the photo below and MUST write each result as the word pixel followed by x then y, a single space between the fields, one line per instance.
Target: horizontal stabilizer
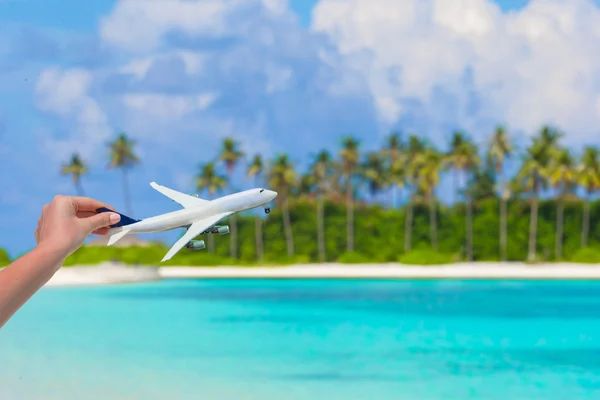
pixel 116 237
pixel 185 200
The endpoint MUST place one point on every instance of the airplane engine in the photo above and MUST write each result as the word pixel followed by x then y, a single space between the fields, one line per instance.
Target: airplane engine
pixel 196 245
pixel 221 230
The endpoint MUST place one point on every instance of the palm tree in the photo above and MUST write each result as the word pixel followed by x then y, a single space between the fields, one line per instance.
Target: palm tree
pixel 282 178
pixel 374 172
pixel 483 183
pixel 321 170
pixel 397 175
pixel 463 158
pixel 122 156
pixel 76 168
pixel 499 150
pixel 561 175
pixel 533 175
pixel 415 149
pixel 428 168
pixel 549 138
pixel 255 170
pixel 350 159
pixel 306 185
pixel 588 176
pixel 456 158
pixel 393 152
pixel 230 155
pixel 208 179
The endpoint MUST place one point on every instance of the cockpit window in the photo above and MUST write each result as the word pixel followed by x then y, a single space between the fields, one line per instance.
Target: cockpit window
pixel 262 190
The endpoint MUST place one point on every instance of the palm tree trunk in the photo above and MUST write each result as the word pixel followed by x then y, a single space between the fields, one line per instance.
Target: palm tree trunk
pixel 559 228
pixel 259 239
pixel 126 193
pixel 211 243
pixel 456 179
pixel 233 243
pixel 210 237
pixel 533 227
pixel 469 229
pixel 350 216
pixel 258 235
pixel 79 188
pixel 400 196
pixel 408 224
pixel 287 226
pixel 321 228
pixel 503 230
pixel 468 219
pixel 433 222
pixel 586 222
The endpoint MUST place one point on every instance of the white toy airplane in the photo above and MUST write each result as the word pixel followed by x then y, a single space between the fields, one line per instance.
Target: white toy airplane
pixel 199 216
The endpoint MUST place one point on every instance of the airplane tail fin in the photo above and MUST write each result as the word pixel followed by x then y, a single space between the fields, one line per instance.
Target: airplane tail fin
pixel 125 220
pixel 117 236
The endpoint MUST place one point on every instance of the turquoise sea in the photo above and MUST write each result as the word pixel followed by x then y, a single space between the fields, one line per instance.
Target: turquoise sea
pixel 306 339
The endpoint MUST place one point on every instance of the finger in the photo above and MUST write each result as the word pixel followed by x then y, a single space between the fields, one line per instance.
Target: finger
pixel 101 231
pixel 87 204
pixel 44 209
pixel 85 214
pixel 101 220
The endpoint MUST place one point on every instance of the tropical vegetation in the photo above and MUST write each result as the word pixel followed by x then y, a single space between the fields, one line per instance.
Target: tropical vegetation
pixel 75 168
pixel 388 205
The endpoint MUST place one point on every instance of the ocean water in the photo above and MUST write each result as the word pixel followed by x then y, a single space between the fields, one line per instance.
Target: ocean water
pixel 306 339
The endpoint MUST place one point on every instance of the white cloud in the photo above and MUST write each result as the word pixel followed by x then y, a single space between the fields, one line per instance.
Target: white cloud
pixel 62 91
pixel 65 93
pixel 538 65
pixel 193 63
pixel 279 7
pixel 165 108
pixel 139 68
pixel 439 63
pixel 278 77
pixel 140 25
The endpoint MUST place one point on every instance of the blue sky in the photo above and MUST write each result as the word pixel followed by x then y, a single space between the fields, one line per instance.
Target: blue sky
pixel 83 16
pixel 180 78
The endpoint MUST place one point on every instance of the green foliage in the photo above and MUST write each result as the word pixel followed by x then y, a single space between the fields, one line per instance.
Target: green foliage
pixel 285 260
pixel 195 258
pixel 426 257
pixel 4 258
pixel 379 237
pixel 353 258
pixel 587 255
pixel 150 255
pixel 415 167
pixel 89 255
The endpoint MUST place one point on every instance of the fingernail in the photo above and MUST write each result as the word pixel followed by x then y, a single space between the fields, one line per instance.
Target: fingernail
pixel 115 218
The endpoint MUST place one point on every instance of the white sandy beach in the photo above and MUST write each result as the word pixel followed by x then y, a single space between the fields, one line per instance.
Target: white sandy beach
pixel 113 273
pixel 103 274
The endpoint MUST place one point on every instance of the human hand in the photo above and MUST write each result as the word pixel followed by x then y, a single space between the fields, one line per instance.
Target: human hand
pixel 68 220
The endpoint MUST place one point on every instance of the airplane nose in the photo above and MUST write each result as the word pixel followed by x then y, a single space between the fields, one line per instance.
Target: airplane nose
pixel 272 194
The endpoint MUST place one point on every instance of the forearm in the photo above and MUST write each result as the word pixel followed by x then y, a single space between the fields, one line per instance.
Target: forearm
pixel 25 276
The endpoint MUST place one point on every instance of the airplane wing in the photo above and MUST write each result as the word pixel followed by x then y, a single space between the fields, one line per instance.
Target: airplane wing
pixel 194 230
pixel 185 200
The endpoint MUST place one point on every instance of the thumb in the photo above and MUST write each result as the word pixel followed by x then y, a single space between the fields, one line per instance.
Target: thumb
pixel 101 220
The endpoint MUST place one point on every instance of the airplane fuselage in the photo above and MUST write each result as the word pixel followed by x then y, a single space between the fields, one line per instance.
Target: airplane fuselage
pixel 232 203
